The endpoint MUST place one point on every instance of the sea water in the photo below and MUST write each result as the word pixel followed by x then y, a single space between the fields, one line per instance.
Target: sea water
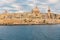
pixel 30 32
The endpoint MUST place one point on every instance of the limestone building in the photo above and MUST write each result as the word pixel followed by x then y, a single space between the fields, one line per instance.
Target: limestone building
pixel 33 17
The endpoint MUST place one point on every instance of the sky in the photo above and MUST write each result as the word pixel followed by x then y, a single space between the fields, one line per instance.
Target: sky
pixel 28 5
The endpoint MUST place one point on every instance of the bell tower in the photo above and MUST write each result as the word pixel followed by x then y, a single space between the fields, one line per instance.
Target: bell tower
pixel 49 13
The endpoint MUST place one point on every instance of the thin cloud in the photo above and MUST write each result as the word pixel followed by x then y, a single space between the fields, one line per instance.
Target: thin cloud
pixel 53 1
pixel 6 1
pixel 29 4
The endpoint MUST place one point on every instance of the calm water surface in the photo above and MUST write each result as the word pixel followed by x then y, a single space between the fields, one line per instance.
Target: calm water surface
pixel 30 32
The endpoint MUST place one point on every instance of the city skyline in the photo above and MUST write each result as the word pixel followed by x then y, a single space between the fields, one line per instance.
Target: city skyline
pixel 28 5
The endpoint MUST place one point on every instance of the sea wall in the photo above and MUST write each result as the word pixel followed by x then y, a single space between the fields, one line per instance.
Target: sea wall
pixel 33 21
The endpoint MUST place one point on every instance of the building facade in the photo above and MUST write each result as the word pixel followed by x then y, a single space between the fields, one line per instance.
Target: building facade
pixel 33 17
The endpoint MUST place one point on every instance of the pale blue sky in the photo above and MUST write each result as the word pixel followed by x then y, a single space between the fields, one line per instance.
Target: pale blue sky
pixel 28 5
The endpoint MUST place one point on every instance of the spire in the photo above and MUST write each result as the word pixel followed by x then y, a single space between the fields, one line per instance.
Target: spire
pixel 48 9
pixel 5 11
pixel 35 9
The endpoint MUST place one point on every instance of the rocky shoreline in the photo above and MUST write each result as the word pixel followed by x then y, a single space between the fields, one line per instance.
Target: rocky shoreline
pixel 23 24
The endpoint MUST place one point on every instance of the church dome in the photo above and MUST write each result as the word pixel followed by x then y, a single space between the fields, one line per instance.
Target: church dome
pixel 36 10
